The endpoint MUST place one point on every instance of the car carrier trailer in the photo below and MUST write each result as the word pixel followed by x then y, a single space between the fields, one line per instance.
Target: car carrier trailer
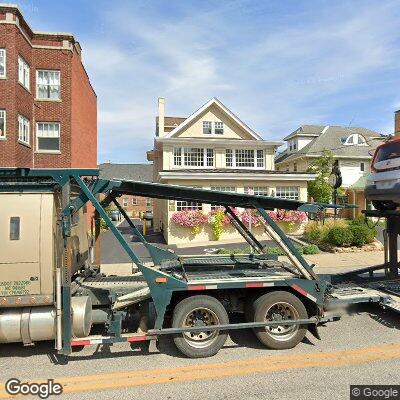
pixel 50 289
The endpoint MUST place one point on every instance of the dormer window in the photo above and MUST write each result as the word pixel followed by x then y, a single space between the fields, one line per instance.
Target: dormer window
pixel 354 139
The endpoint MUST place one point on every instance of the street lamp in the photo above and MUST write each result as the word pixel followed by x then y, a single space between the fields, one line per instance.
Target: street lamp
pixel 335 181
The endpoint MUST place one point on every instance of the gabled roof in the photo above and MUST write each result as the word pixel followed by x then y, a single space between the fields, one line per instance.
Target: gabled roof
pixel 131 172
pixel 331 138
pixel 211 102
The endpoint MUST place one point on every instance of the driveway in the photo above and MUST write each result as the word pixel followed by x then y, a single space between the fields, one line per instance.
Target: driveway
pixel 113 253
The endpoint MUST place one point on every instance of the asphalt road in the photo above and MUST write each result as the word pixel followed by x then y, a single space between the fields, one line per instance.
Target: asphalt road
pixel 362 348
pixel 112 252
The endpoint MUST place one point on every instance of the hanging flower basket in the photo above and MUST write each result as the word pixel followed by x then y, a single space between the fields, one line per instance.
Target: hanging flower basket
pixel 193 219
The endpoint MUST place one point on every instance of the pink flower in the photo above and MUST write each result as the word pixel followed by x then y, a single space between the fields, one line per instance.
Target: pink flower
pixel 189 218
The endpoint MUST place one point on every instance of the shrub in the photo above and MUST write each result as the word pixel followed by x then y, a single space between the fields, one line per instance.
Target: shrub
pixel 103 225
pixel 362 234
pixel 340 236
pixel 279 252
pixel 313 234
pixel 310 249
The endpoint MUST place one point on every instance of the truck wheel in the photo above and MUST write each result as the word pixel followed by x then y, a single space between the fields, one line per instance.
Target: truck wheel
pixel 279 305
pixel 199 311
pixel 384 205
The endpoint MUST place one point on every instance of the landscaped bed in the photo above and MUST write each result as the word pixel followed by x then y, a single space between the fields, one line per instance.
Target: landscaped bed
pixel 306 249
pixel 340 236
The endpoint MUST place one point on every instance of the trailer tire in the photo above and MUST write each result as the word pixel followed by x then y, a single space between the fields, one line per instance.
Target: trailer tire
pixel 283 305
pixel 195 310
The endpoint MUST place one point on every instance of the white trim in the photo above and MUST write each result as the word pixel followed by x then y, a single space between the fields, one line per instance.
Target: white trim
pixel 182 175
pixel 26 72
pixel 26 123
pixel 37 138
pixel 37 85
pixel 220 141
pixel 213 101
pixel 182 164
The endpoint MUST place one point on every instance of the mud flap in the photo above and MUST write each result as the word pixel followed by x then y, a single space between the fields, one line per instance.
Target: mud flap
pixel 314 331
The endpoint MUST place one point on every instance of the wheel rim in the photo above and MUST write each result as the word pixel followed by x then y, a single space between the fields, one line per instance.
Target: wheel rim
pixel 200 317
pixel 280 312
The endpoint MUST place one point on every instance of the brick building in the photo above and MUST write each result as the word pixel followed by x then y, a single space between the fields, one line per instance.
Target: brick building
pixel 134 205
pixel 48 108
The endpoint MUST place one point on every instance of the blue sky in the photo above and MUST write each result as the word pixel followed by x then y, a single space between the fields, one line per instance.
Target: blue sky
pixel 276 64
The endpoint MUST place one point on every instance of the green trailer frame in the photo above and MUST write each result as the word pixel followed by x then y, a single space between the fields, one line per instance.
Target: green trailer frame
pixel 162 284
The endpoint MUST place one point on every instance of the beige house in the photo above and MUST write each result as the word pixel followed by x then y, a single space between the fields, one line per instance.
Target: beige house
pixel 213 149
pixel 351 146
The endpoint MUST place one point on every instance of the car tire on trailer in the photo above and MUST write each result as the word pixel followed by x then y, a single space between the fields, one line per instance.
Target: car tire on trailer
pixel 197 311
pixel 279 305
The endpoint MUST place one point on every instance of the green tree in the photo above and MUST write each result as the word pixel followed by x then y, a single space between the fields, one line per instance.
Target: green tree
pixel 320 190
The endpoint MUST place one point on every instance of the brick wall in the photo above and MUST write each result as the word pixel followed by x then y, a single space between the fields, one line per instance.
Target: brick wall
pixel 84 117
pixel 76 111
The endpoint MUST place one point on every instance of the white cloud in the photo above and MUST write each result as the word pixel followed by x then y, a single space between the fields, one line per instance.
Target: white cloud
pixel 324 64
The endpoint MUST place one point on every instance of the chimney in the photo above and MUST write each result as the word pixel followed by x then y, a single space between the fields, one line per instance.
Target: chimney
pixel 161 116
pixel 397 123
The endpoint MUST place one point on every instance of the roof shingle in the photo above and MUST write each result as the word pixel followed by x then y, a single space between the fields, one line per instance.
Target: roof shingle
pixel 130 172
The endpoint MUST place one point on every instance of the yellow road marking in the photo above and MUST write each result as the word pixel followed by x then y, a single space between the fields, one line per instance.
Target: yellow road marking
pixel 122 379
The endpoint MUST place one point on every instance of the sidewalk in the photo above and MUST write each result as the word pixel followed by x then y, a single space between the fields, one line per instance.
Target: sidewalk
pixel 344 260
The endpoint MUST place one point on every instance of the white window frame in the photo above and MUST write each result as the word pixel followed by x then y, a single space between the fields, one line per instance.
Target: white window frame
pixel 24 78
pixel 207 125
pixel 212 125
pixel 4 55
pixel 149 202
pixel 40 136
pixel 24 134
pixel 49 71
pixel 3 114
pixel 226 189
pixel 257 190
pixel 134 201
pixel 288 192
pixel 355 137
pixel 125 202
pixel 258 161
pixel 179 157
pixel 221 127
pixel 362 166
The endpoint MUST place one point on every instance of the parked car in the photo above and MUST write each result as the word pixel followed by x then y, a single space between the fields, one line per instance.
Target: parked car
pixel 115 215
pixel 148 215
pixel 383 184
